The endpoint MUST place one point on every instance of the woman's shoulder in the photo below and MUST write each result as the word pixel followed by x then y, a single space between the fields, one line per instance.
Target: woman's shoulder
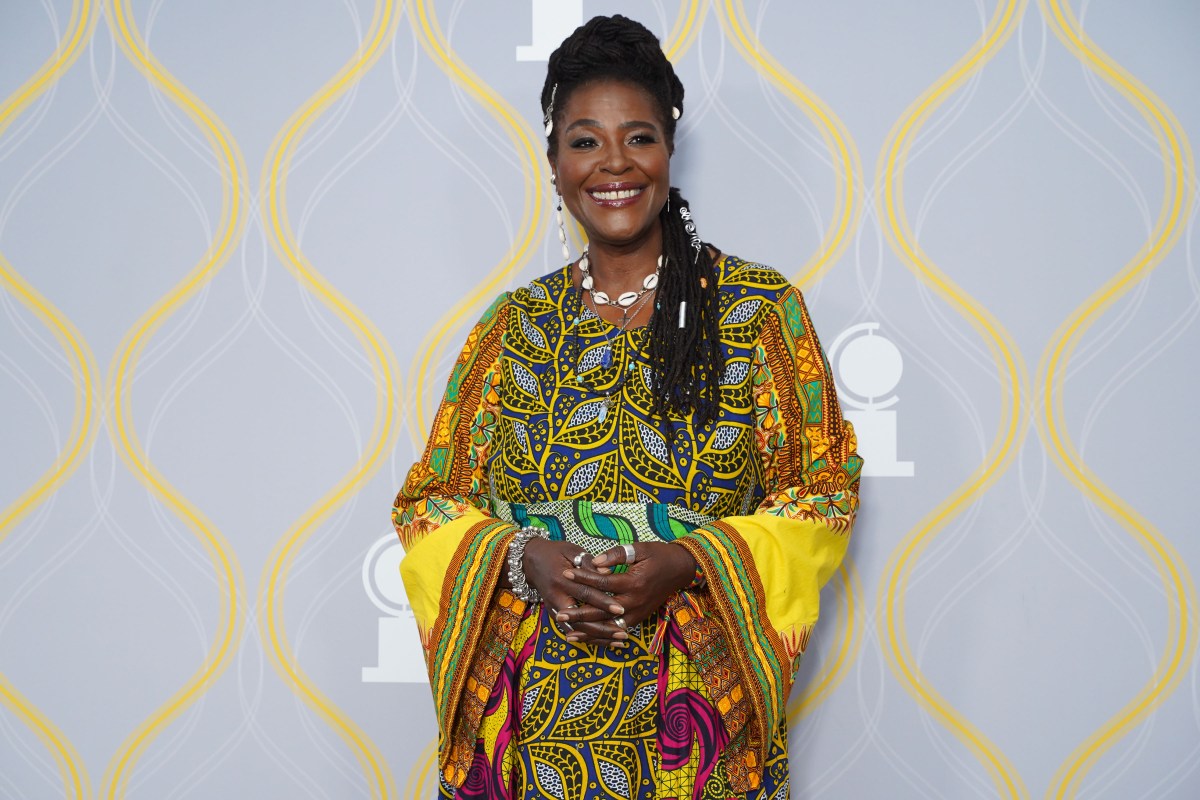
pixel 753 293
pixel 542 293
pixel 741 279
pixel 537 297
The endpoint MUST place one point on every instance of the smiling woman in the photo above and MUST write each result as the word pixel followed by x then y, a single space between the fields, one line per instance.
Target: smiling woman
pixel 613 170
pixel 635 487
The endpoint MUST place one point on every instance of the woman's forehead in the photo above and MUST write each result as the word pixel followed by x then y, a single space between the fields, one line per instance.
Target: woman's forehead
pixel 611 94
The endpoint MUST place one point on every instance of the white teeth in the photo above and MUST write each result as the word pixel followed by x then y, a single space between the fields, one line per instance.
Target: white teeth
pixel 621 194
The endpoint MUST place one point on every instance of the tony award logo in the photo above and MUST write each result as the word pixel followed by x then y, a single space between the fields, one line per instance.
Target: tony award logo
pixel 400 659
pixel 868 368
pixel 553 21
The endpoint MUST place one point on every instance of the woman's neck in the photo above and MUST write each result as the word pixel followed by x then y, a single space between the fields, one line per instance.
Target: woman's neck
pixel 616 270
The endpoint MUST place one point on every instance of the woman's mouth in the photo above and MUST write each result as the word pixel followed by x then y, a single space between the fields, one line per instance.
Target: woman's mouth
pixel 616 195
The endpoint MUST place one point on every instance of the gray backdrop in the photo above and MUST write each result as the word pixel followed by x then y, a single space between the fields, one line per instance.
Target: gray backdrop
pixel 241 242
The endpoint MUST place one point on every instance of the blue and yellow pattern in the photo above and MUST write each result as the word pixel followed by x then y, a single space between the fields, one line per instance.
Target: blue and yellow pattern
pixel 547 420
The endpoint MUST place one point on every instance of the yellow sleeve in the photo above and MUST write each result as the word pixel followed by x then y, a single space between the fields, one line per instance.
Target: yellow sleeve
pixel 800 532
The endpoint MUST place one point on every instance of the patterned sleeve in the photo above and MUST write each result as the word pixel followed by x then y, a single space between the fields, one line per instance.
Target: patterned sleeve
pixel 764 571
pixel 450 480
pixel 454 547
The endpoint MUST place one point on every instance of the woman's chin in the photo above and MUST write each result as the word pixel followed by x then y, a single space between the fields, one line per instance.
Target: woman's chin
pixel 619 236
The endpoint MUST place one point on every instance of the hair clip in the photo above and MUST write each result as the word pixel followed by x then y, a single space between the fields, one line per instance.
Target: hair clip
pixel 549 117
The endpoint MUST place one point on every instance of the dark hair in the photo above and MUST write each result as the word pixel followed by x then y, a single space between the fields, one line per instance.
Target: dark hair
pixel 686 363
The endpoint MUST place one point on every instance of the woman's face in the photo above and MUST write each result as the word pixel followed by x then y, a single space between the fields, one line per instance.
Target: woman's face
pixel 612 163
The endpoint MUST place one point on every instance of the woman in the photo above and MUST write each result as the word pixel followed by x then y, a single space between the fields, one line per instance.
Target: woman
pixel 636 484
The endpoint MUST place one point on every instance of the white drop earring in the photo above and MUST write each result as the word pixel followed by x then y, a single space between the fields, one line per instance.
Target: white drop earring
pixel 562 228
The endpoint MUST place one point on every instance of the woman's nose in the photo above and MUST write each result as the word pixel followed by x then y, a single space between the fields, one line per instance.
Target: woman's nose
pixel 616 159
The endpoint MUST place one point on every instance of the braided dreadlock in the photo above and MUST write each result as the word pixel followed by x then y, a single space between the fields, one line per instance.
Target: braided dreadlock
pixel 686 363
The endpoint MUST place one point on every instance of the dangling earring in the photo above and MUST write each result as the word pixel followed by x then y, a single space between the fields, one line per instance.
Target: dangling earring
pixel 562 228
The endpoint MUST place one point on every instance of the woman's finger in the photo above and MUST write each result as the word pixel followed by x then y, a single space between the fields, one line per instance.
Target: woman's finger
pixel 601 630
pixel 575 614
pixel 607 591
pixel 615 556
pixel 554 605
pixel 592 641
pixel 594 632
pixel 592 596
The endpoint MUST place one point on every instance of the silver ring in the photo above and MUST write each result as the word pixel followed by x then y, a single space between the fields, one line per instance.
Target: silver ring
pixel 620 623
pixel 630 553
pixel 578 560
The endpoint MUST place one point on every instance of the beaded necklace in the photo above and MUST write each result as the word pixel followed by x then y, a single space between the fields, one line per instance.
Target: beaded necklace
pixel 625 299
pixel 611 397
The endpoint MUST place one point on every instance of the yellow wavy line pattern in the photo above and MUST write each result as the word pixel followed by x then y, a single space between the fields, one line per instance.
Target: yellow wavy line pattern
pixel 78 33
pixel 1177 584
pixel 227 570
pixel 81 26
pixel 424 767
pixel 534 207
pixel 688 24
pixel 847 205
pixel 383 433
pixel 76 37
pixel 1012 375
pixel 847 202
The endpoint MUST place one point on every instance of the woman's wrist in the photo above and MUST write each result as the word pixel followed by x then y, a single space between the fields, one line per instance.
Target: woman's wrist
pixel 516 563
pixel 693 576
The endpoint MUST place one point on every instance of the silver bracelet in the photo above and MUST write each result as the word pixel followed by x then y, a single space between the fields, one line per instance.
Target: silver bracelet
pixel 516 563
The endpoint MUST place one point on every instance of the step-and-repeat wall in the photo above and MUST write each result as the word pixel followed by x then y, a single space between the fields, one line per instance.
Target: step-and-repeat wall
pixel 242 241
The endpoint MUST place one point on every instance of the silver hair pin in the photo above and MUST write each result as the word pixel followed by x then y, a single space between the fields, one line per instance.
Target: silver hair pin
pixel 690 228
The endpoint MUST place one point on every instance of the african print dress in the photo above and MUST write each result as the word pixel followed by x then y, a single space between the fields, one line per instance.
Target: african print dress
pixel 546 421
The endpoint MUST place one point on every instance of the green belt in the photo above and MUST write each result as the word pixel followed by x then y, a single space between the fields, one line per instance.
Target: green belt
pixel 598 526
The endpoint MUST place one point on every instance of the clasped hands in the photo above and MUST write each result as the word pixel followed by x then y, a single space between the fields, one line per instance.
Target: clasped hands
pixel 592 603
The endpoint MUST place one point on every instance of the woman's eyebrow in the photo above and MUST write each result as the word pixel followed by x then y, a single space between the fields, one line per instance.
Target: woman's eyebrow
pixel 583 123
pixel 592 123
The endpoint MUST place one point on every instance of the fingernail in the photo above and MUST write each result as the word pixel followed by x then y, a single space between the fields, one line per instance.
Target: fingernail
pixel 620 645
pixel 573 637
pixel 598 560
pixel 562 617
pixel 568 574
pixel 620 635
pixel 604 571
pixel 616 609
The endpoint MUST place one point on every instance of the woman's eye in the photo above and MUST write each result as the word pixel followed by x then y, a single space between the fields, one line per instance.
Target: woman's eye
pixel 642 138
pixel 584 141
